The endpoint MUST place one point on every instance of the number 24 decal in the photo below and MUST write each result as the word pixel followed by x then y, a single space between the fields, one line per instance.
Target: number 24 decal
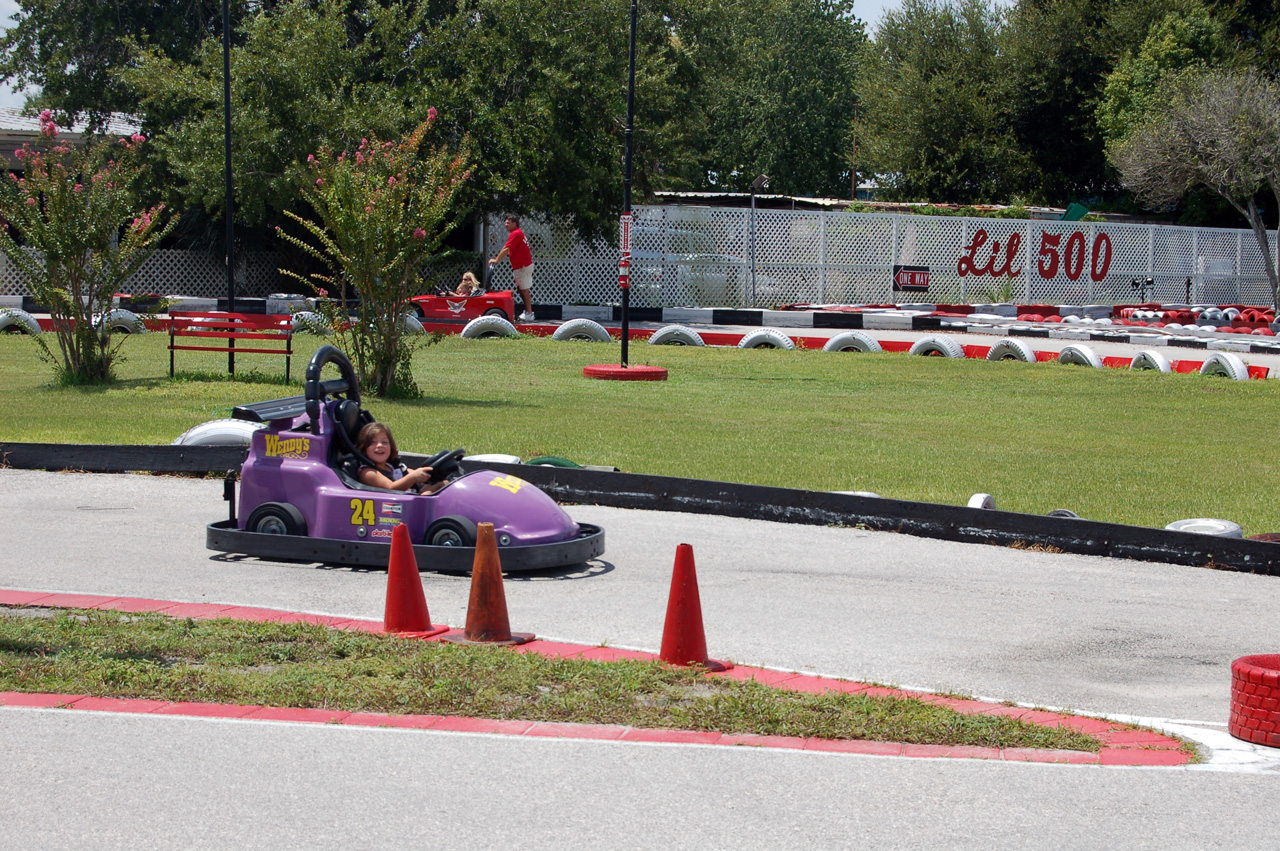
pixel 362 512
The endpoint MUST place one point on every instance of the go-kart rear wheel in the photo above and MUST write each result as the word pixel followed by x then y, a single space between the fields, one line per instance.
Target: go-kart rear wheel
pixel 277 518
pixel 497 311
pixel 451 531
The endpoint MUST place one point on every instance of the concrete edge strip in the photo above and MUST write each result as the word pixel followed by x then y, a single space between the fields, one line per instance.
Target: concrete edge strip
pixel 1122 745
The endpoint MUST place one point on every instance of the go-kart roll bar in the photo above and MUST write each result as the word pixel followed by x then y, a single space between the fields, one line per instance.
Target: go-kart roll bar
pixel 316 390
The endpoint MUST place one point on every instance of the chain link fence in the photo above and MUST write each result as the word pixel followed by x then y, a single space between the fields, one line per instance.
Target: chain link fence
pixel 721 257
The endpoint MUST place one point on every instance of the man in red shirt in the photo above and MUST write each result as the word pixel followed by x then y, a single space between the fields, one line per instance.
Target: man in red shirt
pixel 517 250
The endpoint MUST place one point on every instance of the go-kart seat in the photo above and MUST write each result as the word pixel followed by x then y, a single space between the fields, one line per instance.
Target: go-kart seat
pixel 348 417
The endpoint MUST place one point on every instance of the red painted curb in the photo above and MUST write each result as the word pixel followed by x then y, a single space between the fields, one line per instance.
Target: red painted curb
pixel 1122 745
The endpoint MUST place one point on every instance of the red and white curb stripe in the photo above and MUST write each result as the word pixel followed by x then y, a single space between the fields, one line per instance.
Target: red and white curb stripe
pixel 1121 745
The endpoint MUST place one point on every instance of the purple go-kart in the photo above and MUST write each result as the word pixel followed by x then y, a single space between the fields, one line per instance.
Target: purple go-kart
pixel 300 499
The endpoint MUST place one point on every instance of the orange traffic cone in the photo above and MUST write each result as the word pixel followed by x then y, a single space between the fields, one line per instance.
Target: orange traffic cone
pixel 487 621
pixel 683 640
pixel 406 611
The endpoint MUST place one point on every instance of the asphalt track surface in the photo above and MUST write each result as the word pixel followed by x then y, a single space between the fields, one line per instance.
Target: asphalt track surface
pixel 1128 640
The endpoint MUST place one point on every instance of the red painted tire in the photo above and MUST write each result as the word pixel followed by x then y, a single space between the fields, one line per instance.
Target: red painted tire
pixel 1255 699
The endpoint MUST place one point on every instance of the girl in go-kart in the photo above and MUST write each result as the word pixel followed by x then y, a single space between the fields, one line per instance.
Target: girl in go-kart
pixel 377 444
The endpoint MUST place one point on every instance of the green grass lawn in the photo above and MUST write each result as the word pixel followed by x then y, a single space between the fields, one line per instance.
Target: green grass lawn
pixel 149 656
pixel 1140 448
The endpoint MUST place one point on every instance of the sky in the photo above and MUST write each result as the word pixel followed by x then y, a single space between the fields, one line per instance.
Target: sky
pixel 868 10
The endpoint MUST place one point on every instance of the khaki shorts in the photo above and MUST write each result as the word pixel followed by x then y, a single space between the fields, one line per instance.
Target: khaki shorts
pixel 524 277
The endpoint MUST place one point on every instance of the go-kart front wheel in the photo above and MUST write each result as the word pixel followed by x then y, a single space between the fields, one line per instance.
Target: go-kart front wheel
pixel 451 531
pixel 277 518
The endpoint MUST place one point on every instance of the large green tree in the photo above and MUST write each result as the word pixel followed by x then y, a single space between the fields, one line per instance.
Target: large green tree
pixel 71 49
pixel 933 127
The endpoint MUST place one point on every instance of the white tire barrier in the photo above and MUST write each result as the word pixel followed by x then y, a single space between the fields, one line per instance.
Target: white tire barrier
pixel 676 335
pixel 16 321
pixel 852 341
pixel 1150 359
pixel 120 321
pixel 1080 356
pixel 489 327
pixel 982 500
pixel 412 325
pixel 766 338
pixel 1207 526
pixel 309 322
pixel 868 494
pixel 583 331
pixel 937 345
pixel 1010 348
pixel 226 432
pixel 1226 364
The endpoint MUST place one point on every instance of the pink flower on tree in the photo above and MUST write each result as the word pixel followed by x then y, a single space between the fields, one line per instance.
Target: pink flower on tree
pixel 47 125
pixel 79 187
pixel 138 137
pixel 431 114
pixel 31 202
pixel 311 158
pixel 319 181
pixel 419 233
pixel 391 181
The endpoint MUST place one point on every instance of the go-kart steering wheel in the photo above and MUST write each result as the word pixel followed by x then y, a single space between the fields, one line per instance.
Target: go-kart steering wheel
pixel 444 463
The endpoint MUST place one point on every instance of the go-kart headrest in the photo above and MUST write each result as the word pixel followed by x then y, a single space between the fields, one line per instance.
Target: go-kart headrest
pixel 346 415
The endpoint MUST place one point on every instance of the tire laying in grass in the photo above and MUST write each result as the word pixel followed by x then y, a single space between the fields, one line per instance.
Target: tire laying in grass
pixel 766 338
pixel 852 341
pixel 489 327
pixel 676 335
pixel 1080 356
pixel 1148 359
pixel 1010 348
pixel 582 331
pixel 937 345
pixel 1227 365
pixel 15 321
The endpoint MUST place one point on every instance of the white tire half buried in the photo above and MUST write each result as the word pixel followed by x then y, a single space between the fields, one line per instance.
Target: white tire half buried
pixel 937 345
pixel 852 341
pixel 121 321
pixel 1080 356
pixel 1148 359
pixel 488 327
pixel 16 321
pixel 982 500
pixel 309 322
pixel 1207 526
pixel 583 331
pixel 1226 364
pixel 412 325
pixel 676 335
pixel 219 433
pixel 1010 348
pixel 766 338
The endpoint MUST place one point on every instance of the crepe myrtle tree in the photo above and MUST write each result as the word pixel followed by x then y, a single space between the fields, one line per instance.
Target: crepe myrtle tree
pixel 82 237
pixel 382 211
pixel 1214 129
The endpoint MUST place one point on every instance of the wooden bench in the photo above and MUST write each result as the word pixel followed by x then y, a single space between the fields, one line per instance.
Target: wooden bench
pixel 264 329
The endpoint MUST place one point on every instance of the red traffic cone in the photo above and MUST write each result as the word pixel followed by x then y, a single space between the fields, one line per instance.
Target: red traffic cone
pixel 683 640
pixel 487 621
pixel 406 611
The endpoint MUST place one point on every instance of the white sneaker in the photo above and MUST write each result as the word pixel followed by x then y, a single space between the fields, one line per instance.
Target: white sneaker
pixel 525 317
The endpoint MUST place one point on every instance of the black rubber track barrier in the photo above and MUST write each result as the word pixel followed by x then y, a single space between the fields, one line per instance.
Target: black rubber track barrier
pixel 758 502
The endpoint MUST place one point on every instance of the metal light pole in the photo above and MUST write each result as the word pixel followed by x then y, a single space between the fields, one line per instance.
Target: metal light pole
pixel 624 260
pixel 230 199
pixel 759 183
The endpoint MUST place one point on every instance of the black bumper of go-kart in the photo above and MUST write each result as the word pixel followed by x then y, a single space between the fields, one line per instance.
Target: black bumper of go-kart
pixel 223 536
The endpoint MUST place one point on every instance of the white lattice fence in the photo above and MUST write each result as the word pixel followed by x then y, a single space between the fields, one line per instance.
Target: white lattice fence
pixel 181 272
pixel 717 257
